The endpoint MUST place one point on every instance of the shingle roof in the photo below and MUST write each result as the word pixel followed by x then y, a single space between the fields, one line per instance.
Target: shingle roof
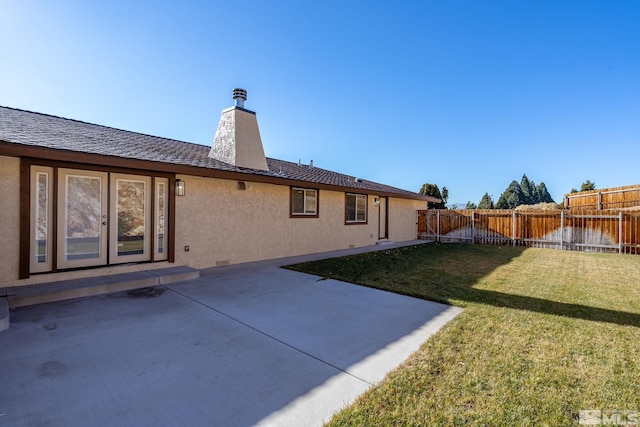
pixel 46 131
pixel 313 174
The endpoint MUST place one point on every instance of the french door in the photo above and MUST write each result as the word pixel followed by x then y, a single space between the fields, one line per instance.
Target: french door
pixel 82 218
pixel 130 219
pixel 100 218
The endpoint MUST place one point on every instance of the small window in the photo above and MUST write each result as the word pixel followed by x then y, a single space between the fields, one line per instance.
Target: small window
pixel 41 219
pixel 304 202
pixel 356 208
pixel 161 216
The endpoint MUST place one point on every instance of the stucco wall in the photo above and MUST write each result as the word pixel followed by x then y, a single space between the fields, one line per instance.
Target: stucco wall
pixel 9 218
pixel 222 224
pixel 403 217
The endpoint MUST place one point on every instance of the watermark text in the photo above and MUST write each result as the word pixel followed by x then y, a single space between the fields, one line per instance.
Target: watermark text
pixel 614 417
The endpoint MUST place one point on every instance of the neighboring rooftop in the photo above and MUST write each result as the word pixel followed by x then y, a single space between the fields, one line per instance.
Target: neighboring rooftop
pixel 46 132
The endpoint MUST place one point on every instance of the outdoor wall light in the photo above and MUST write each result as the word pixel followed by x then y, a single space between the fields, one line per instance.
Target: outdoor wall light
pixel 242 185
pixel 179 187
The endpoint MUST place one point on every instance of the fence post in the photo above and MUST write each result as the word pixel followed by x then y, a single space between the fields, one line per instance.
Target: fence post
pixel 513 228
pixel 620 246
pixel 473 226
pixel 561 230
pixel 523 229
pixel 437 226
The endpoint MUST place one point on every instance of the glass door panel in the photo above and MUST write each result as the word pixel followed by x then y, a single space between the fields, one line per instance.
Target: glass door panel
pixel 161 212
pixel 82 218
pixel 130 218
pixel 41 214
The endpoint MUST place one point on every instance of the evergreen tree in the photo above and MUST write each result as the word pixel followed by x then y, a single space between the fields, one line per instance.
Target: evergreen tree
pixel 524 193
pixel 525 185
pixel 533 190
pixel 445 195
pixel 433 191
pixel 543 194
pixel 485 202
pixel 471 205
pixel 588 186
pixel 511 197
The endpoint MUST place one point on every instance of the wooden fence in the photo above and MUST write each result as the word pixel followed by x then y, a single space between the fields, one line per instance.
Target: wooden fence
pixel 596 231
pixel 607 198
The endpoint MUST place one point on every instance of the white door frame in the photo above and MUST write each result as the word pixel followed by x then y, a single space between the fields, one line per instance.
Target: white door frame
pixel 117 253
pixel 92 208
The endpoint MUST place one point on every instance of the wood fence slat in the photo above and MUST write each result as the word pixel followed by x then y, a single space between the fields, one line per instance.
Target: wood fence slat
pixel 606 198
pixel 594 230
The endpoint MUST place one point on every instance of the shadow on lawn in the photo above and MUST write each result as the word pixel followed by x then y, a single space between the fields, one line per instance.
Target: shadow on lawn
pixel 452 271
pixel 468 293
pixel 545 306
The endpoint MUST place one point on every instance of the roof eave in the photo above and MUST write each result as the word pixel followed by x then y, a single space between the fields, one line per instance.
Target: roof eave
pixel 70 156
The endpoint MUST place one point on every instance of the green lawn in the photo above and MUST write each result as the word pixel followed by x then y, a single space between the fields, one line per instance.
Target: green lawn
pixel 545 334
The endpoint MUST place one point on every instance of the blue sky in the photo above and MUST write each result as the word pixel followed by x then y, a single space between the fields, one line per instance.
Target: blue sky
pixel 464 94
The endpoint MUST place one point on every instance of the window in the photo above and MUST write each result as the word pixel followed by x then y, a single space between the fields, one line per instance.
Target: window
pixel 304 202
pixel 162 214
pixel 356 208
pixel 41 246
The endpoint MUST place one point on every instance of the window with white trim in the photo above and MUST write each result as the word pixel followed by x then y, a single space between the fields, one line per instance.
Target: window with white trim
pixel 41 247
pixel 161 217
pixel 304 202
pixel 356 208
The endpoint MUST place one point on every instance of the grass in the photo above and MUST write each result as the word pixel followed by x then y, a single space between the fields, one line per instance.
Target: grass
pixel 545 334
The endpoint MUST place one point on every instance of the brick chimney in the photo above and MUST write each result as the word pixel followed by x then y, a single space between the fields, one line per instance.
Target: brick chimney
pixel 237 139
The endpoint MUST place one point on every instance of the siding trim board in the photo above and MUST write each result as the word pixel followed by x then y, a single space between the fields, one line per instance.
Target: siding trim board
pixel 25 218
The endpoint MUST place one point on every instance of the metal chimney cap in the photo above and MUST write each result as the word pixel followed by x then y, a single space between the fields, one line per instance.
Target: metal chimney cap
pixel 240 94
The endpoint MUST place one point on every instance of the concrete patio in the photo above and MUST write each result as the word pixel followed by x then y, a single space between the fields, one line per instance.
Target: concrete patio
pixel 242 345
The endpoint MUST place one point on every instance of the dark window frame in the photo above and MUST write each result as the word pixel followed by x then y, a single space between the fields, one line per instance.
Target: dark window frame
pixel 355 220
pixel 304 215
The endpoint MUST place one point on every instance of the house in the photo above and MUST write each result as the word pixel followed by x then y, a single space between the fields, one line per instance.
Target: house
pixel 80 199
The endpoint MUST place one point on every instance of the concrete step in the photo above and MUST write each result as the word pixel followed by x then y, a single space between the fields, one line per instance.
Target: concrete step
pixel 385 242
pixel 22 296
